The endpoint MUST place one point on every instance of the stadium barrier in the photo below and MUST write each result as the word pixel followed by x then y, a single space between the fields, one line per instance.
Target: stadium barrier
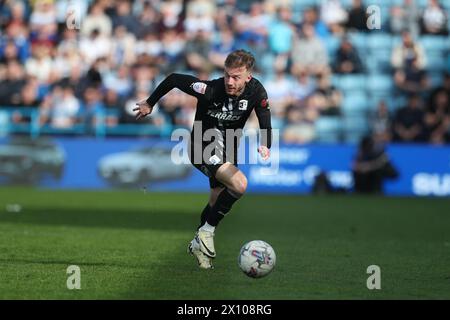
pixel 142 163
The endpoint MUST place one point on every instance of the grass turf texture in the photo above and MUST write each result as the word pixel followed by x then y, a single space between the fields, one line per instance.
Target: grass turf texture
pixel 132 245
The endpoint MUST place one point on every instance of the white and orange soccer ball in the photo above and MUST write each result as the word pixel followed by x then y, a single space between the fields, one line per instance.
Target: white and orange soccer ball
pixel 257 259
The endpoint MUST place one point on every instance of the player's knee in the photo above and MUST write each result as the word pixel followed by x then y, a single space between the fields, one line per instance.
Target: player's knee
pixel 240 185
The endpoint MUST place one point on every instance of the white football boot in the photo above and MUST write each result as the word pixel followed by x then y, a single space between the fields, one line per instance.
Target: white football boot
pixel 204 262
pixel 206 241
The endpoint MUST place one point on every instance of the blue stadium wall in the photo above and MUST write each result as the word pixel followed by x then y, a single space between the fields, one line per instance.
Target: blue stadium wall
pixel 424 170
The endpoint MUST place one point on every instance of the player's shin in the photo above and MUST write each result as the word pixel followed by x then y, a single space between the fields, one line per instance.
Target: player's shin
pixel 223 205
pixel 204 215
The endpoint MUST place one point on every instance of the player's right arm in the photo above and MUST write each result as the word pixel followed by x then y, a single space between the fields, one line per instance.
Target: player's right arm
pixel 186 83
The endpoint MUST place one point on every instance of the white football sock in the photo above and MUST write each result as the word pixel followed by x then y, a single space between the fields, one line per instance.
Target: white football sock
pixel 208 227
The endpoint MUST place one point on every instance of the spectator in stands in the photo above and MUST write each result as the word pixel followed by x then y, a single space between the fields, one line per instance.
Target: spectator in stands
pixel 173 44
pixel 333 15
pixel 303 86
pixel 197 51
pixel 92 108
pixel 60 109
pixel 221 48
pixel 172 16
pixel 97 20
pixel 281 32
pixel 252 28
pixel 298 129
pixel 122 17
pixel 311 16
pixel 347 59
pixel 148 21
pixel 326 99
pixel 437 118
pixel 405 17
pixel 309 53
pixel 434 19
pixel 408 123
pixel 380 122
pixel 279 89
pixel 199 16
pixel 404 53
pixel 371 167
pixel 411 79
pixel 95 46
pixel 357 17
pixel 123 47
pixel 12 84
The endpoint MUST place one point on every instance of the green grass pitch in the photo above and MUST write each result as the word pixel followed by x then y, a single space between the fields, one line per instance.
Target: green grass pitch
pixel 132 245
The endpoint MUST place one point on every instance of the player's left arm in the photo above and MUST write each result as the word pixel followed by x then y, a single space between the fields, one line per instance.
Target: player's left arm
pixel 262 110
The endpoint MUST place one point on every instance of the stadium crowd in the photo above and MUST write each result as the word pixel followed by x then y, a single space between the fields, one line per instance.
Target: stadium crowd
pixel 329 77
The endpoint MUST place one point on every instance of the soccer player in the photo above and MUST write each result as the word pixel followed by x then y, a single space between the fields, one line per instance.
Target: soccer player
pixel 223 105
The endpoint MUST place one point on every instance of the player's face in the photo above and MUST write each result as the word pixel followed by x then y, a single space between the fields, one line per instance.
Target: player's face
pixel 235 80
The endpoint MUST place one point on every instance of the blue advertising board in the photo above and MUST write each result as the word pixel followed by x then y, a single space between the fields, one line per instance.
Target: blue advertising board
pixel 88 163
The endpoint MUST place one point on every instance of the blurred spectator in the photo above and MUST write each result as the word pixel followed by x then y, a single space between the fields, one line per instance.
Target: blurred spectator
pixel 303 86
pixel 333 15
pixel 412 79
pixel 371 167
pixel 281 32
pixel 172 16
pixel 326 98
pixel 173 51
pixel 380 122
pixel 405 17
pixel 199 16
pixel 19 35
pixel 408 123
pixel 119 81
pixel 93 108
pixel 97 21
pixel 148 21
pixel 437 118
pixel 123 47
pixel 252 28
pixel 357 17
pixel 311 16
pixel 347 59
pixel 12 84
pixel 95 46
pixel 40 65
pixel 123 18
pixel 309 52
pixel 197 51
pixel 279 89
pixel 298 129
pixel 60 109
pixel 404 53
pixel 434 19
pixel 222 47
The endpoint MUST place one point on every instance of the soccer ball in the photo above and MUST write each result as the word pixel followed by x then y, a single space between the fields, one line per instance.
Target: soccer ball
pixel 257 259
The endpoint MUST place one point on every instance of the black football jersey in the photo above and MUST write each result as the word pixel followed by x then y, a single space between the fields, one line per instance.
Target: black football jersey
pixel 215 108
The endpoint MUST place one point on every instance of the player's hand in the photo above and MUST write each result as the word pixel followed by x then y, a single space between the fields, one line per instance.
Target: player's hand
pixel 143 109
pixel 264 152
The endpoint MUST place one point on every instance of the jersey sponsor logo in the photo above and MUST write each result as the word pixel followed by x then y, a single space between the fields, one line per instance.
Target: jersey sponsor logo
pixel 199 87
pixel 223 116
pixel 243 104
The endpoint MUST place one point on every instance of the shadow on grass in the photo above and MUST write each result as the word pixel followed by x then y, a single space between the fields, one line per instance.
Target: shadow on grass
pixel 133 219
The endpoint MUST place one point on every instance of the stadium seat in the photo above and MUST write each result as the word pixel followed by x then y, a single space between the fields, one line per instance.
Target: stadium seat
pixel 380 84
pixel 355 128
pixel 436 62
pixel 359 41
pixel 434 44
pixel 355 104
pixel 379 41
pixel 332 45
pixel 350 83
pixel 328 129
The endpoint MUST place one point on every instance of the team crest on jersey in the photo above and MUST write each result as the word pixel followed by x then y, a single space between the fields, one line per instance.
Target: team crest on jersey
pixel 243 104
pixel 199 87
